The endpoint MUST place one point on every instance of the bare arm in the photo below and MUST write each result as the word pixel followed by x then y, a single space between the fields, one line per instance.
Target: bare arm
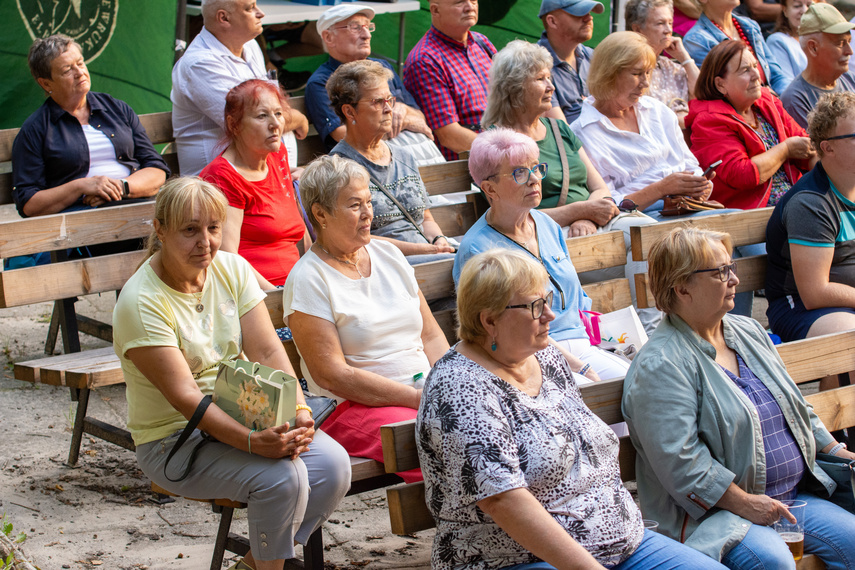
pixel 321 350
pixel 339 133
pixel 522 516
pixel 759 509
pixel 455 137
pixel 678 51
pixel 598 209
pixel 58 198
pixel 409 248
pixel 763 12
pixel 690 8
pixel 413 120
pixel 811 269
pixel 679 183
pixel 556 113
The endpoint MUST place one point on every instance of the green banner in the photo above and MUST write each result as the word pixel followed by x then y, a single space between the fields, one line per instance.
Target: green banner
pixel 128 46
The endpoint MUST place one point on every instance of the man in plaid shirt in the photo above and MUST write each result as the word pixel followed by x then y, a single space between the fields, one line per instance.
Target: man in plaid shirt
pixel 448 74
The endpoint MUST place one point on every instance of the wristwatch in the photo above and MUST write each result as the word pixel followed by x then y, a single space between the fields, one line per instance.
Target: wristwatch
pixel 126 189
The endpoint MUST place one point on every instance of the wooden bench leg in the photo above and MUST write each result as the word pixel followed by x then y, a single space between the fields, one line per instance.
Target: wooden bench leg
pixel 226 514
pixel 313 552
pixel 53 329
pixel 79 418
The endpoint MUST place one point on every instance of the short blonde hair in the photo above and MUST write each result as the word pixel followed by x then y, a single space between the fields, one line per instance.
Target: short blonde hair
pixel 512 66
pixel 616 53
pixel 176 200
pixel 675 257
pixel 825 115
pixel 323 179
pixel 487 283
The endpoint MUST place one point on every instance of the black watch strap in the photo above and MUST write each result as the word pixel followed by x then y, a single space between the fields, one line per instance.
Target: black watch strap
pixel 126 188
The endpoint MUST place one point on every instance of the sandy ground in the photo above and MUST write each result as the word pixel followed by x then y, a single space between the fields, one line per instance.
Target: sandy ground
pixel 97 515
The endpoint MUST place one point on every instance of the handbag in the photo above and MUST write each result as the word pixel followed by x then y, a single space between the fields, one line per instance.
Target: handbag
pixel 249 412
pixel 843 472
pixel 591 320
pixel 684 205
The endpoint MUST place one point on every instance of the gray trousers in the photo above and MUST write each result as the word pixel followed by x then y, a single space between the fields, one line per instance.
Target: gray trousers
pixel 287 499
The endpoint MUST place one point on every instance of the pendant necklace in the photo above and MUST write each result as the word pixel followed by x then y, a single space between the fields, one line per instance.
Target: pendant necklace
pixel 346 262
pixel 199 306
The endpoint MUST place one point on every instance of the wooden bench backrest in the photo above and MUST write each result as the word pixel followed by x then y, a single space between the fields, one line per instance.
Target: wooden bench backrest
pixel 806 360
pixel 745 228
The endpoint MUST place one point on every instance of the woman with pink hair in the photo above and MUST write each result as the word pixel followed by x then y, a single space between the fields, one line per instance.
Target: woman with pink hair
pixel 264 223
pixel 505 164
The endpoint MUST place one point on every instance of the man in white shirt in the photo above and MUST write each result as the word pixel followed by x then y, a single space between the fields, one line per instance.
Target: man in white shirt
pixel 223 55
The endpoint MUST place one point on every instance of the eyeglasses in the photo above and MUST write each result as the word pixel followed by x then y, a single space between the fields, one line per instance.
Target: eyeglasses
pixel 356 27
pixel 536 306
pixel 627 205
pixel 724 271
pixel 849 136
pixel 380 102
pixel 522 174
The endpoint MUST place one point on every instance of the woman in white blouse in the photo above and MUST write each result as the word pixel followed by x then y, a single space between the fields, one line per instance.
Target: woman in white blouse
pixel 634 141
pixel 363 329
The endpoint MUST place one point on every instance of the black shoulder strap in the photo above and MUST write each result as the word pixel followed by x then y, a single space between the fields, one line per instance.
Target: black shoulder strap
pixel 188 430
pixel 483 45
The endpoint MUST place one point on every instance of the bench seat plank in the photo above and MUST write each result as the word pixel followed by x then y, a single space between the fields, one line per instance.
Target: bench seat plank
pixel 819 356
pixel 30 370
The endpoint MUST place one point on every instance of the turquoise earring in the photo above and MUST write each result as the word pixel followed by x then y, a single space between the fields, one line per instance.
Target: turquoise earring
pixel 493 346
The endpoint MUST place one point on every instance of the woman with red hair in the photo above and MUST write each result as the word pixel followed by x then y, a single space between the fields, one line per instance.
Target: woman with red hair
pixel 264 222
pixel 735 120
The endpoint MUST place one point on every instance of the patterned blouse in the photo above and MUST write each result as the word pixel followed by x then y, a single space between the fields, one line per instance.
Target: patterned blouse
pixel 669 83
pixel 780 181
pixel 479 436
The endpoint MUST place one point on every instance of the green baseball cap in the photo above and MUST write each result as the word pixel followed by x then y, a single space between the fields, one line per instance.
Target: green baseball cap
pixel 823 18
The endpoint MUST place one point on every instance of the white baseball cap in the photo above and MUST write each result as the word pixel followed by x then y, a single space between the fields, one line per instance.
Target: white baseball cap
pixel 341 13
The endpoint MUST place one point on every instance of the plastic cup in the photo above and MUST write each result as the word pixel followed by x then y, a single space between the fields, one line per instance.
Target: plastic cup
pixel 650 525
pixel 793 533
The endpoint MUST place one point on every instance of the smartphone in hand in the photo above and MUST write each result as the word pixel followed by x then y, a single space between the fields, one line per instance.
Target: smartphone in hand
pixel 711 169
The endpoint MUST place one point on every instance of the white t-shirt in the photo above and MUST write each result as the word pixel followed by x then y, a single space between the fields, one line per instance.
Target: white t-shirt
pixel 378 319
pixel 102 155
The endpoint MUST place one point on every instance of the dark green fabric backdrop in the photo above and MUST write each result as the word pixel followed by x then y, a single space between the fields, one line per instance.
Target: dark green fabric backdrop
pixel 133 63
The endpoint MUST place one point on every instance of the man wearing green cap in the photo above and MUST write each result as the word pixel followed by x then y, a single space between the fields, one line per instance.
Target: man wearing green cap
pixel 824 36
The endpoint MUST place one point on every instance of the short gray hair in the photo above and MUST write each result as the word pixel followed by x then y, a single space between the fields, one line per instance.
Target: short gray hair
pixel 637 11
pixel 45 50
pixel 210 7
pixel 323 179
pixel 512 66
pixel 803 40
pixel 345 85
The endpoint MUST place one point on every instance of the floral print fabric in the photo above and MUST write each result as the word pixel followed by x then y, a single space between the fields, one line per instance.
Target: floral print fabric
pixel 670 84
pixel 479 436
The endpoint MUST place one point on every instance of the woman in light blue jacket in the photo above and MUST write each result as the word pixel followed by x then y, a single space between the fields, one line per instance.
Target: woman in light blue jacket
pixel 717 23
pixel 722 432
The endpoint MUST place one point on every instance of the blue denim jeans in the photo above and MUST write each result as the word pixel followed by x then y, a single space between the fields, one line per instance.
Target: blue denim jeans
pixel 655 551
pixel 829 534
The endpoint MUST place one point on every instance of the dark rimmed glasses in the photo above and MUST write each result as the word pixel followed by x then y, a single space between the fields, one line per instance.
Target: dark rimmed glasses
pixel 724 271
pixel 356 27
pixel 536 306
pixel 380 102
pixel 849 136
pixel 522 174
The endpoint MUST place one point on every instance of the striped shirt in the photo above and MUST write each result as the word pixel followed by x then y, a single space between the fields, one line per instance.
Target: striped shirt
pixel 450 80
pixel 785 465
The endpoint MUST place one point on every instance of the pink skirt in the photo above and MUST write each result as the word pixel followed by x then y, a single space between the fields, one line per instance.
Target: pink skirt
pixel 357 428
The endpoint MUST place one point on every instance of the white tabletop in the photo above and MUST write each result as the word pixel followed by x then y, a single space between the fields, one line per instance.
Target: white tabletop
pixel 283 11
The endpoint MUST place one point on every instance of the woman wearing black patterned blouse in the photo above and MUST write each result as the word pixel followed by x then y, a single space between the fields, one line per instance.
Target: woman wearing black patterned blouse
pixel 519 472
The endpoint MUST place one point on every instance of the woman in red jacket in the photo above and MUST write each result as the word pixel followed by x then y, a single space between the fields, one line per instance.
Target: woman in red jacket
pixel 735 120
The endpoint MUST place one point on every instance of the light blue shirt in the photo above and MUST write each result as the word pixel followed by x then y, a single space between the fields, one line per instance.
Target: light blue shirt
pixel 788 53
pixel 556 259
pixel 704 35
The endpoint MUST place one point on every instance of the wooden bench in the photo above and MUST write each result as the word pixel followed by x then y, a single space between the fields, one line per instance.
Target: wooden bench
pixel 745 228
pixel 806 360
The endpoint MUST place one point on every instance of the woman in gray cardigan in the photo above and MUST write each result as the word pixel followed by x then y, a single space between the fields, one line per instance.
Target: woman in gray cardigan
pixel 722 432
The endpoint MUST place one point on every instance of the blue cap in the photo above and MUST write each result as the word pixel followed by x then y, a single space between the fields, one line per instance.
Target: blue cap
pixel 576 8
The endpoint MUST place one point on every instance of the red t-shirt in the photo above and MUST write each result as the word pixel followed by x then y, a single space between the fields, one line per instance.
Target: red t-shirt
pixel 272 223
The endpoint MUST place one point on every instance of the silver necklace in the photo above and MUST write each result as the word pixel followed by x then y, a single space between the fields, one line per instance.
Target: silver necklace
pixel 199 306
pixel 346 262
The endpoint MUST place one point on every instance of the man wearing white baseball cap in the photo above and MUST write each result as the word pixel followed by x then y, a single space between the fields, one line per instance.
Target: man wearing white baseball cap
pixel 567 24
pixel 346 32
pixel 824 35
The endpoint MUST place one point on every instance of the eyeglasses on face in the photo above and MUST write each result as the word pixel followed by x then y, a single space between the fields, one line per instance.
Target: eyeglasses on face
pixel 356 27
pixel 849 136
pixel 380 102
pixel 536 306
pixel 724 271
pixel 522 174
